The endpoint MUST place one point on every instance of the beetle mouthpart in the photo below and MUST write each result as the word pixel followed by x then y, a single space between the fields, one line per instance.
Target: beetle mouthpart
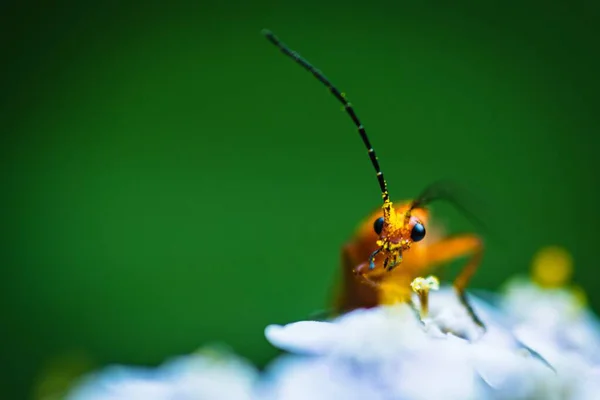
pixel 395 261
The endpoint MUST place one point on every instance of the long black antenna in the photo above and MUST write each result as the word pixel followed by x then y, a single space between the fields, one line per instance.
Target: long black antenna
pixel 454 194
pixel 342 98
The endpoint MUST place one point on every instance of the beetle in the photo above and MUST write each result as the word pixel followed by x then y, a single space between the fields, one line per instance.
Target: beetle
pixel 368 280
pixel 390 248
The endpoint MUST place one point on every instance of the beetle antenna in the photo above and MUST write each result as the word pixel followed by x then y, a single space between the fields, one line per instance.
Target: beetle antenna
pixel 347 106
pixel 450 192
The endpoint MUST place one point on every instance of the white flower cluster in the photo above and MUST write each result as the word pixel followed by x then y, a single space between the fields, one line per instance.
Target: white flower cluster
pixel 385 353
pixel 539 343
pixel 204 375
pixel 556 323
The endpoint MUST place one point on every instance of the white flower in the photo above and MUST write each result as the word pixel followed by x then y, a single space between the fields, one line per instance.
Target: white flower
pixel 556 323
pixel 590 386
pixel 551 316
pixel 552 319
pixel 386 353
pixel 198 376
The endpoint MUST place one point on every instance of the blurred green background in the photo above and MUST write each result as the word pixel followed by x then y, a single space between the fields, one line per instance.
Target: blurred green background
pixel 169 179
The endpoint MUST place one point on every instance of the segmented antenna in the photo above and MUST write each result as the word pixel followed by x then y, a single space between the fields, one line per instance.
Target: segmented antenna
pixel 342 98
pixel 452 193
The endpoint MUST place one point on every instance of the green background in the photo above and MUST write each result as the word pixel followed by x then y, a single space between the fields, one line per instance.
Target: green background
pixel 169 179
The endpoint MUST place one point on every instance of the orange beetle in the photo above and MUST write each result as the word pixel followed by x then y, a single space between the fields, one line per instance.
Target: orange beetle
pixel 390 249
pixel 367 281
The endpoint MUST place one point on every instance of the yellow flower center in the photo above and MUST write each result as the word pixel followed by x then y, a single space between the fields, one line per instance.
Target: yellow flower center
pixel 552 267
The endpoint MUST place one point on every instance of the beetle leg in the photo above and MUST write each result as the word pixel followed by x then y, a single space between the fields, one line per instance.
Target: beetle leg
pixel 453 247
pixel 362 272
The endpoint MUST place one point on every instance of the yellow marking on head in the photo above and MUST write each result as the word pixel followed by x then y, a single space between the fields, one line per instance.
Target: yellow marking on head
pixel 388 207
pixel 390 215
pixel 396 228
pixel 552 267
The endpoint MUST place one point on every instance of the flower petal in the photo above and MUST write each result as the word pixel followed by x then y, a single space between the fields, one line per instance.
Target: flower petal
pixel 386 352
pixel 552 321
pixel 188 377
pixel 305 337
pixel 315 378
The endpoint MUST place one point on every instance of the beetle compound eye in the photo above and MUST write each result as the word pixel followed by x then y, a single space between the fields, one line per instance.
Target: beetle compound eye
pixel 378 225
pixel 418 232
